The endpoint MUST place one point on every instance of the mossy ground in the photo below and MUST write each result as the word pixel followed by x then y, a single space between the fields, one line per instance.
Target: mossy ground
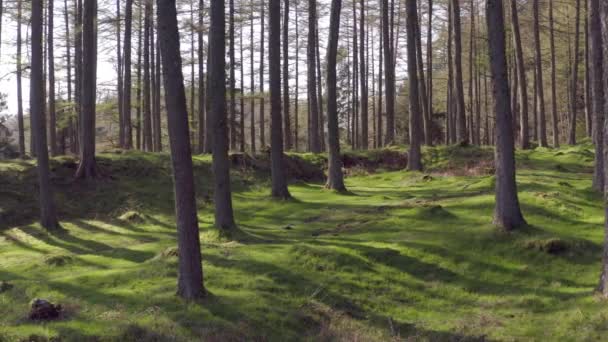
pixel 404 256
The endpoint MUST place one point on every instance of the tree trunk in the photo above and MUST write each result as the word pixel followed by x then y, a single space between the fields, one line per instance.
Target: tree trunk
pixel 48 217
pixel 603 13
pixel 242 98
pixel 425 131
pixel 190 280
pixel 363 78
pixel 262 99
pixel 51 72
pixel 279 180
pixel 542 125
pixel 507 213
pixel 287 128
pixel 138 132
pixel 71 129
pixel 126 100
pixel 252 83
pixel 201 78
pixel 523 83
pixel 158 144
pixel 216 91
pixel 429 65
pixel 119 79
pixel 461 126
pixel 554 118
pixel 597 90
pixel 315 145
pixel 147 114
pixel 232 78
pixel 19 72
pixel 335 177
pixel 297 92
pixel 414 157
pixel 574 86
pixel 320 91
pixel 88 167
pixel 389 75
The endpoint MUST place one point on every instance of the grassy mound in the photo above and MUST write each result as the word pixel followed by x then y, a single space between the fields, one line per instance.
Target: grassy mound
pixel 404 256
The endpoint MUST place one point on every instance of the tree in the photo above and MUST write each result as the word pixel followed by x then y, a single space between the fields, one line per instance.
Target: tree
pixel 461 127
pixel 287 129
pixel 126 101
pixel 51 73
pixel 48 218
pixel 277 168
pixel 119 78
pixel 507 213
pixel 414 157
pixel 313 124
pixel 147 110
pixel 597 91
pixel 389 75
pixel 542 130
pixel 201 78
pixel 521 74
pixel 216 90
pixel 335 177
pixel 574 84
pixel 232 71
pixel 553 77
pixel 363 78
pixel 603 18
pixel 87 168
pixel 190 281
pixel 19 72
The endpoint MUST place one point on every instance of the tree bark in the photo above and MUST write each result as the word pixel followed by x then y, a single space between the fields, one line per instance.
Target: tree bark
pixel 119 79
pixel 596 71
pixel 363 70
pixel 414 157
pixel 88 166
pixel 542 126
pixel 554 118
pixel 287 121
pixel 389 76
pixel 523 83
pixel 51 73
pixel 574 86
pixel 507 213
pixel 335 177
pixel 126 100
pixel 279 180
pixel 262 99
pixel 216 90
pixel 147 111
pixel 190 280
pixel 603 19
pixel 461 126
pixel 19 73
pixel 232 77
pixel 48 217
pixel 315 145
pixel 201 78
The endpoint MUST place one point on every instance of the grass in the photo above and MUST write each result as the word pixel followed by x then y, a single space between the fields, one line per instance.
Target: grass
pixel 404 256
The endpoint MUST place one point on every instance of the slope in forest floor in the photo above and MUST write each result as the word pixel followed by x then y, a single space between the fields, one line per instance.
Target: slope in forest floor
pixel 405 256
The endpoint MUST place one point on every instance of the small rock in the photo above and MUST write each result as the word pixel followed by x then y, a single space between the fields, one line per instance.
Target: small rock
pixel 288 227
pixel 42 309
pixel 427 178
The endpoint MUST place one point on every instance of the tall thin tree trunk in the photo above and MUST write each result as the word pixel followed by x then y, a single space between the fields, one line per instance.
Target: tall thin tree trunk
pixel 119 79
pixel 574 86
pixel 363 69
pixel 263 97
pixel 138 99
pixel 596 72
pixel 461 126
pixel 523 83
pixel 542 126
pixel 507 213
pixel 126 99
pixel 48 216
pixel 201 78
pixel 297 92
pixel 68 53
pixel 554 118
pixel 252 82
pixel 277 168
pixel 414 156
pixel 287 120
pixel 429 63
pixel 19 73
pixel 315 144
pixel 425 132
pixel 335 177
pixel 216 91
pixel 147 114
pixel 389 75
pixel 190 280
pixel 51 73
pixel 232 77
pixel 88 167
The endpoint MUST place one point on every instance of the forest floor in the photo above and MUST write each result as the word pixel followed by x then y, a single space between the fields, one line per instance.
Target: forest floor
pixel 403 256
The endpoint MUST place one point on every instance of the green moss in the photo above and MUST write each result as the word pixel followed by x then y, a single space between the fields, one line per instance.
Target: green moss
pixel 403 254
